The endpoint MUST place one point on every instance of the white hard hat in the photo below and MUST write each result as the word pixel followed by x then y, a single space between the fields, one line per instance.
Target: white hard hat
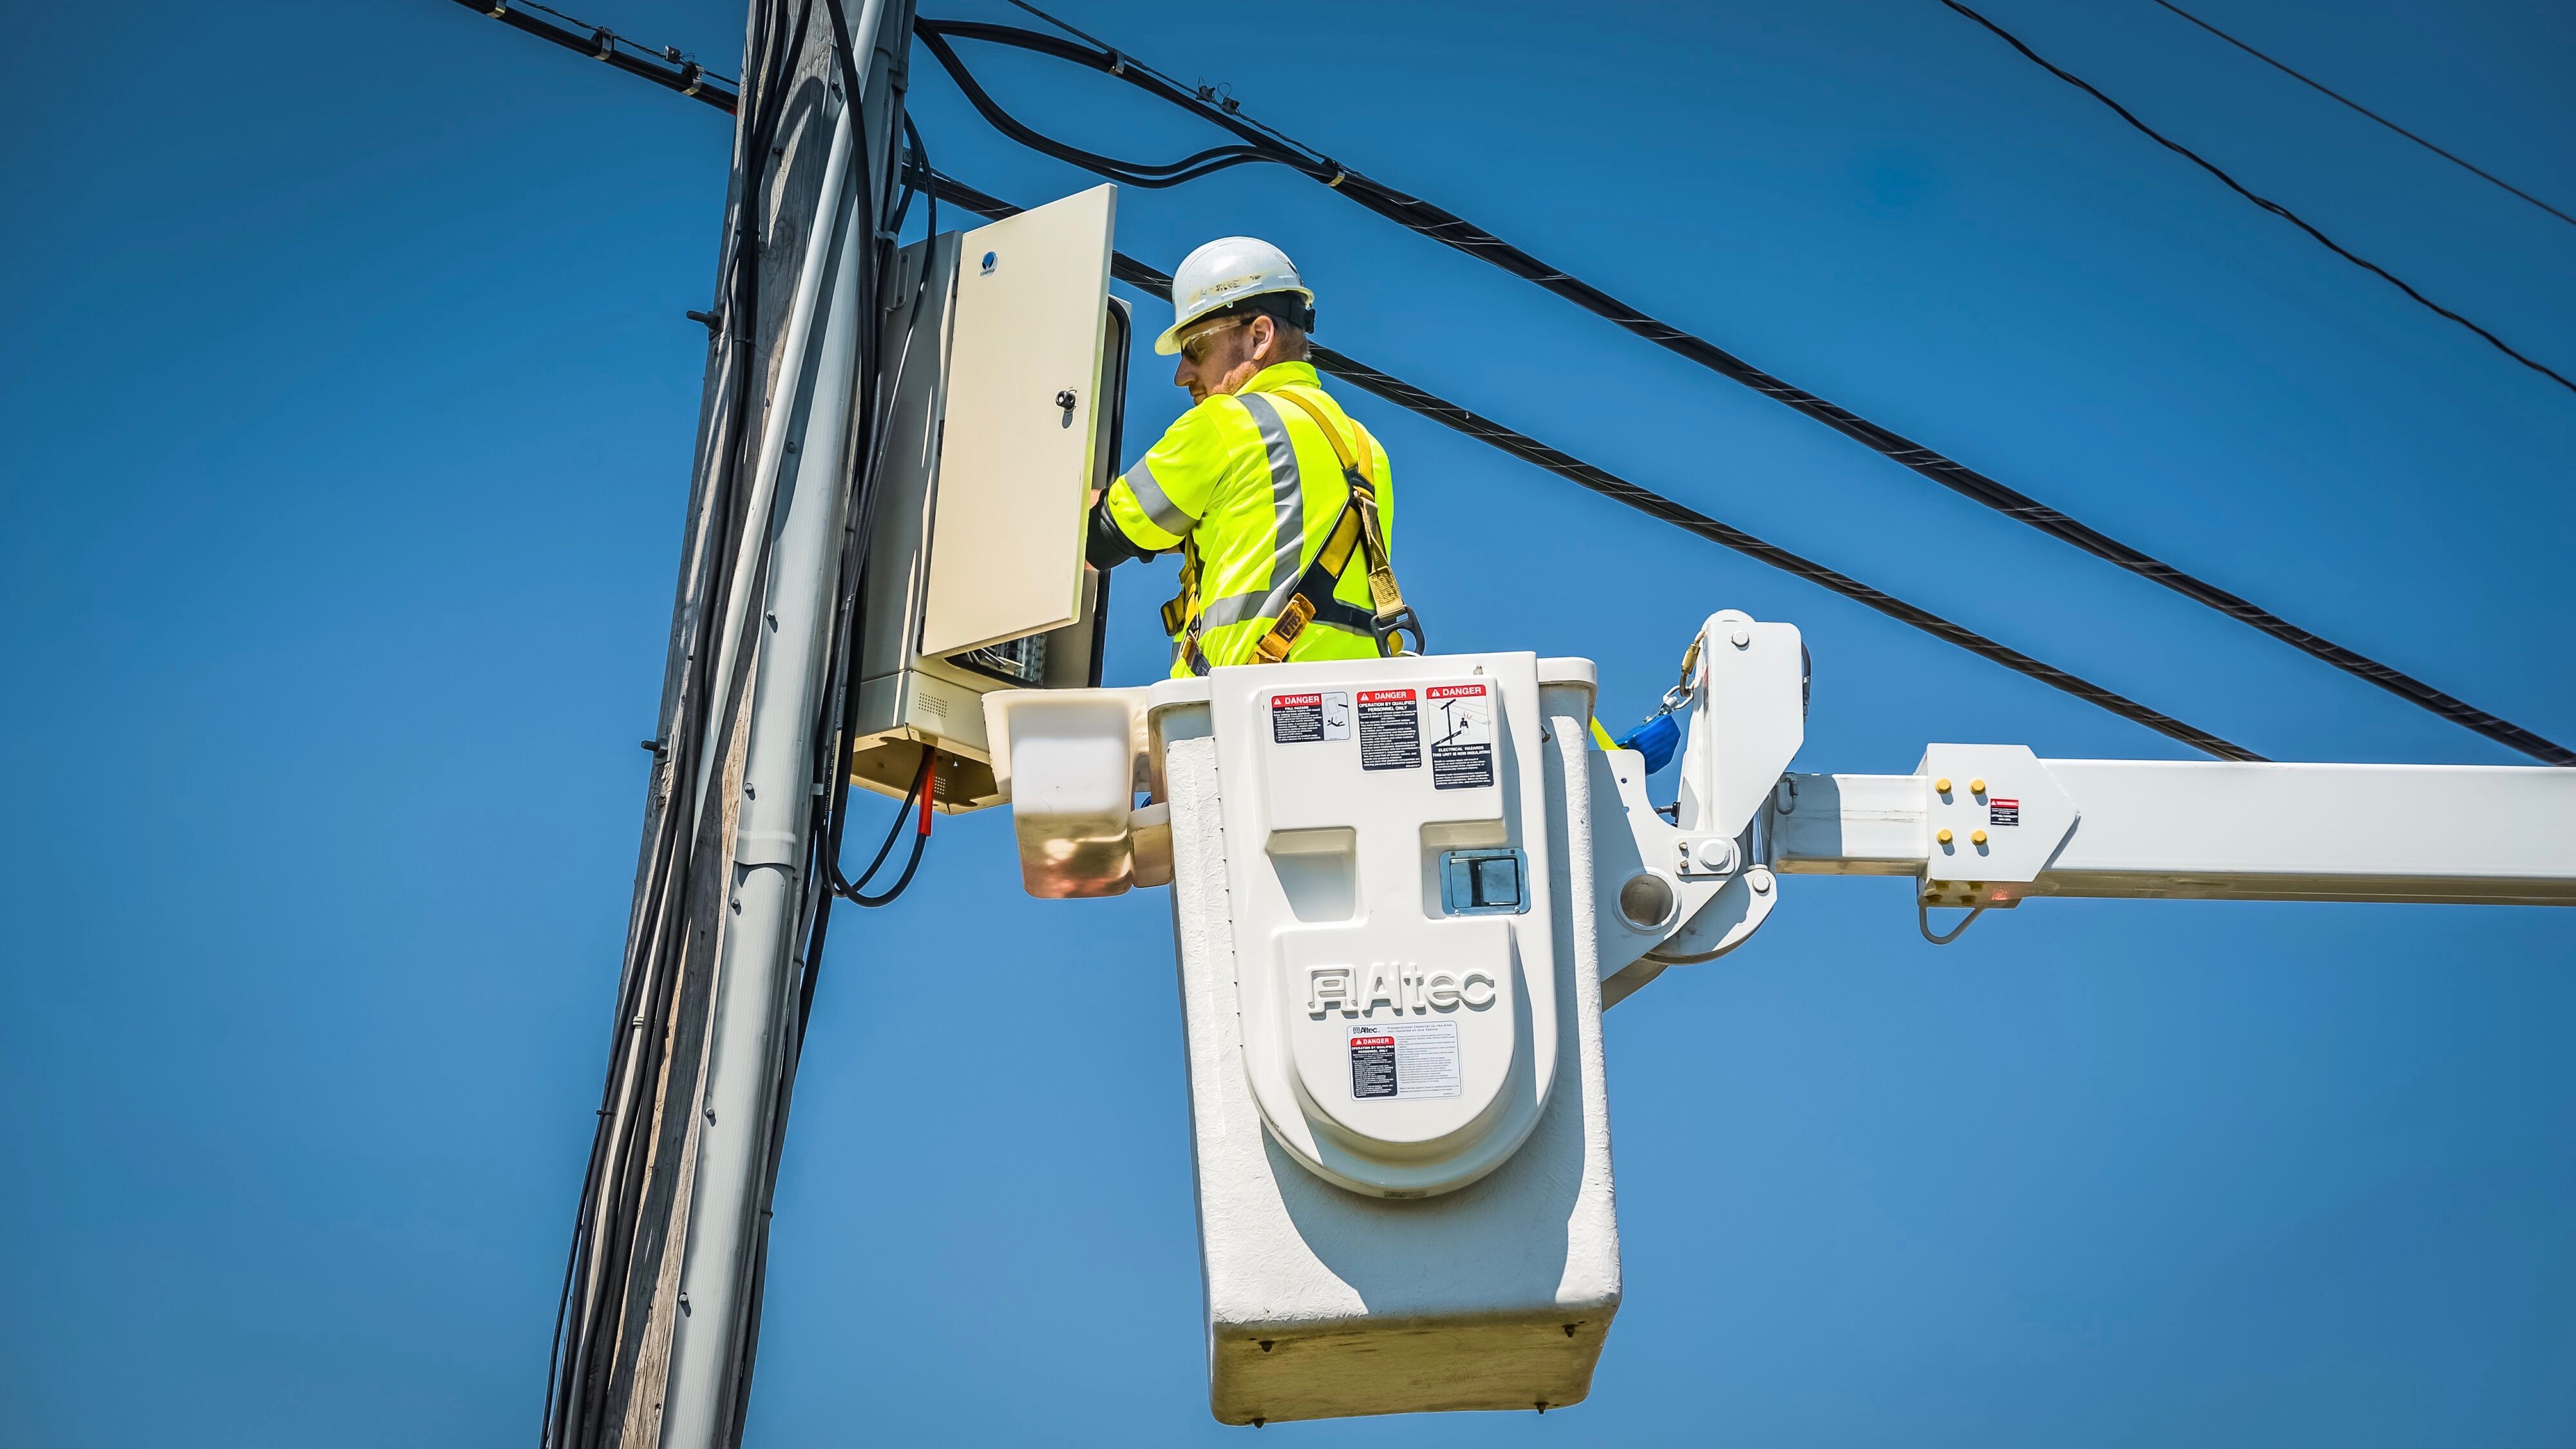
pixel 1222 273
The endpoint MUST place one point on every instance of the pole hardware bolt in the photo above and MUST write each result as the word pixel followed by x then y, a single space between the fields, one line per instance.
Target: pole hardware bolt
pixel 1942 835
pixel 1976 787
pixel 1942 784
pixel 1976 837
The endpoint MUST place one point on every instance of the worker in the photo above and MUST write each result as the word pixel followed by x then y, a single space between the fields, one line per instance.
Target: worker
pixel 1279 502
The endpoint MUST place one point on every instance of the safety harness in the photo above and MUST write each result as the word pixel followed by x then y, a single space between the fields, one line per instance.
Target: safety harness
pixel 1355 532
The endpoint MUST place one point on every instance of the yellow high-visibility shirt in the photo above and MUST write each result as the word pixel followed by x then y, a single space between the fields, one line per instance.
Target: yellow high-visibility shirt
pixel 1253 482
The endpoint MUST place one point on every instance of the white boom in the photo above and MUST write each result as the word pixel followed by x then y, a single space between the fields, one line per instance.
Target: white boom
pixel 2450 834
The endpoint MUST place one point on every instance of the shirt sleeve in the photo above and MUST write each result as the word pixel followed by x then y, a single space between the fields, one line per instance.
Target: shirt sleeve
pixel 1157 502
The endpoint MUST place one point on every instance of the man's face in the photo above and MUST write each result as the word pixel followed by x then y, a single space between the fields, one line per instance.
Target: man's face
pixel 1221 355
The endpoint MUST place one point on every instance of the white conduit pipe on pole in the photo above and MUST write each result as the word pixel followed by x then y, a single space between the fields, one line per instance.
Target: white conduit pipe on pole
pixel 810 414
pixel 775 421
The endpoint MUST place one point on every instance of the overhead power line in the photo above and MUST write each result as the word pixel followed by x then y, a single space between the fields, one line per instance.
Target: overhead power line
pixel 2265 202
pixel 666 66
pixel 2339 97
pixel 1265 143
pixel 1609 485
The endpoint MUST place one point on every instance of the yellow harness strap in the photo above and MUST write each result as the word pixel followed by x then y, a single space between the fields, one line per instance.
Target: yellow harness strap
pixel 1361 474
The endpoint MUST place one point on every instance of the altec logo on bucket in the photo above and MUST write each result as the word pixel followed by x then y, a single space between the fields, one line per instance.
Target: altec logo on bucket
pixel 1400 986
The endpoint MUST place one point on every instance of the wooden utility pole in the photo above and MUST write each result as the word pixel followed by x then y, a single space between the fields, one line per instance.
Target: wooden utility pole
pixel 662 1302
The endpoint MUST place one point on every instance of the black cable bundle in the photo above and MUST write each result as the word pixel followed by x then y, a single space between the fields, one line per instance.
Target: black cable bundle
pixel 682 857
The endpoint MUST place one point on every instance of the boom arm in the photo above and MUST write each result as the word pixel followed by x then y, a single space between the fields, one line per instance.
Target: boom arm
pixel 2454 834
pixel 1988 826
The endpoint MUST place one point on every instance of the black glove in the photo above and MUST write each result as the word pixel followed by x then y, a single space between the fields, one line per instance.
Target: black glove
pixel 1105 545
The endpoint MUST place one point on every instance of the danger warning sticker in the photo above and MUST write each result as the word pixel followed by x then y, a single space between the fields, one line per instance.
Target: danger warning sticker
pixel 2003 812
pixel 1404 1060
pixel 1462 735
pixel 1390 730
pixel 1297 719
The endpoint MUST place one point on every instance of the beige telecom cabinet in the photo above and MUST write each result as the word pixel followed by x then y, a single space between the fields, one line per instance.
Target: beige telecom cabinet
pixel 1006 358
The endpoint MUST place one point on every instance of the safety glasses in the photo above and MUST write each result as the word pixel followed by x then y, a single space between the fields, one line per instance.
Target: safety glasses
pixel 1195 346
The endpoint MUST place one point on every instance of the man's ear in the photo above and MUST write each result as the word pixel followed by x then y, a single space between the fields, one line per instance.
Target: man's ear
pixel 1264 335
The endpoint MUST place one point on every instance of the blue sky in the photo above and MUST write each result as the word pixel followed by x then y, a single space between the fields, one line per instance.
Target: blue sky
pixel 343 449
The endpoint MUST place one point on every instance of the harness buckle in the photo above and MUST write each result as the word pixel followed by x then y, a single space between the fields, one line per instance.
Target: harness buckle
pixel 1273 647
pixel 1389 627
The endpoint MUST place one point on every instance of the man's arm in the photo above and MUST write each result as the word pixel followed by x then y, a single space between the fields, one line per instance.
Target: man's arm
pixel 1151 507
pixel 1105 545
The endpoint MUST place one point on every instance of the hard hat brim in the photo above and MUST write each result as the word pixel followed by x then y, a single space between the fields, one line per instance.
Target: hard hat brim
pixel 1169 344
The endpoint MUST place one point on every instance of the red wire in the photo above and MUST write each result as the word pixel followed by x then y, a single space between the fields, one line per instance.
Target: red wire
pixel 929 784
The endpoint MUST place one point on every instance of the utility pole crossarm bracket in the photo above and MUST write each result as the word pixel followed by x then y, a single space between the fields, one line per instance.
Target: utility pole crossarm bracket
pixel 2019 826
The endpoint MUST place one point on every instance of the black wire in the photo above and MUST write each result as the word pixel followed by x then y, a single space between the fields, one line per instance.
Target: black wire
pixel 1123 62
pixel 1655 505
pixel 1455 231
pixel 903 882
pixel 604 35
pixel 2265 202
pixel 2322 89
pixel 852 890
pixel 931 228
pixel 666 68
pixel 1131 173
pixel 1609 485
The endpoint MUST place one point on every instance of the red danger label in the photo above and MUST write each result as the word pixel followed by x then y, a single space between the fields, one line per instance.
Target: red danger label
pixel 1372 1041
pixel 1455 691
pixel 1291 701
pixel 1385 696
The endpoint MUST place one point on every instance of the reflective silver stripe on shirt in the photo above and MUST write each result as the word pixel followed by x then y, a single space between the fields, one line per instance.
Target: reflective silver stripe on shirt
pixel 1158 505
pixel 1236 609
pixel 1239 607
pixel 1287 500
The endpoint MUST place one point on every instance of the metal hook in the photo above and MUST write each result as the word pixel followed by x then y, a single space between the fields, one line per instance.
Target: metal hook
pixel 1923 923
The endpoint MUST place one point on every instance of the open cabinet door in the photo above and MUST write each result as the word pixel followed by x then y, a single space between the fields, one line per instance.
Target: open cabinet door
pixel 1015 467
